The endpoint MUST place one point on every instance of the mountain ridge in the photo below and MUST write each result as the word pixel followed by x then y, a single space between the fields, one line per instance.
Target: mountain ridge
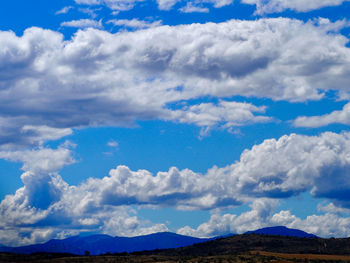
pixel 101 243
pixel 282 231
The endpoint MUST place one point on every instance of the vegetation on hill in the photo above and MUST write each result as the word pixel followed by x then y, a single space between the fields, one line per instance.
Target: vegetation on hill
pixel 252 248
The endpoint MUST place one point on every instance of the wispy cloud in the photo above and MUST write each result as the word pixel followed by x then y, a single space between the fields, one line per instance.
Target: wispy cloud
pixel 118 5
pixel 89 11
pixel 277 6
pixel 192 8
pixel 113 144
pixel 339 117
pixel 64 10
pixel 135 23
pixel 83 23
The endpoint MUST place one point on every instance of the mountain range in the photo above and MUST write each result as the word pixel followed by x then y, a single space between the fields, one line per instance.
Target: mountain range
pixel 282 231
pixel 101 244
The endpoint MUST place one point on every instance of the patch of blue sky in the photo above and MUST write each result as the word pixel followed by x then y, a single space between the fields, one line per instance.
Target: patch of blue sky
pixel 10 179
pixel 173 218
pixel 302 205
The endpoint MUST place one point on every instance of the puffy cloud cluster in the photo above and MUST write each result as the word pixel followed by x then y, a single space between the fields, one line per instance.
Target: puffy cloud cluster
pixel 274 169
pixel 47 207
pixel 257 217
pixel 277 6
pixel 99 78
pixel 262 214
pixel 269 171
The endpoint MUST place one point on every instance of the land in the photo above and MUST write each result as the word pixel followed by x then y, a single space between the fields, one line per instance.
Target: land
pixel 248 257
pixel 250 248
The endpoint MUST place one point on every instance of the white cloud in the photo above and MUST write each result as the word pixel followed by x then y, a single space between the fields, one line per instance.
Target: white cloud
pixel 274 169
pixel 83 23
pixel 42 133
pixel 98 78
pixel 269 171
pixel 124 5
pixel 64 10
pixel 113 144
pixel 42 160
pixel 166 4
pixel 326 225
pixel 230 223
pixel 119 5
pixel 226 115
pixel 277 6
pixel 192 8
pixel 218 3
pixel 46 207
pixel 89 11
pixel 262 214
pixel 331 208
pixel 340 117
pixel 135 23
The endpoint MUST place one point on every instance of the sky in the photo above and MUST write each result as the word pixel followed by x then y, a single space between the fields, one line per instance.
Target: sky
pixel 201 117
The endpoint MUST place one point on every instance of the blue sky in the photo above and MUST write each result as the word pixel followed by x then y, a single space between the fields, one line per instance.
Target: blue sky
pixel 201 117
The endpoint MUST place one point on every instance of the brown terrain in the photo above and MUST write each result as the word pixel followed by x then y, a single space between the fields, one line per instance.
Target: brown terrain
pixel 241 248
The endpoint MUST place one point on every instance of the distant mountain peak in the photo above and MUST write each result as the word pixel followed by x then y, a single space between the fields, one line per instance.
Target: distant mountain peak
pixel 282 231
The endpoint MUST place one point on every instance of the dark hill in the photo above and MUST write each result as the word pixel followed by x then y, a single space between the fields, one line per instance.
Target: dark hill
pixel 281 231
pixel 270 243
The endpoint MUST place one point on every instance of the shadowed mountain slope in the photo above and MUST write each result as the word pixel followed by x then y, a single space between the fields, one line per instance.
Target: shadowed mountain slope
pixel 100 244
pixel 282 231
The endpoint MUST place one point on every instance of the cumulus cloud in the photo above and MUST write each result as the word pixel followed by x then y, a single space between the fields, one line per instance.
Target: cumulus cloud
pixel 339 117
pixel 47 207
pixel 98 78
pixel 331 208
pixel 134 23
pixel 42 160
pixel 275 169
pixel 269 171
pixel 257 217
pixel 83 23
pixel 262 214
pixel 277 6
